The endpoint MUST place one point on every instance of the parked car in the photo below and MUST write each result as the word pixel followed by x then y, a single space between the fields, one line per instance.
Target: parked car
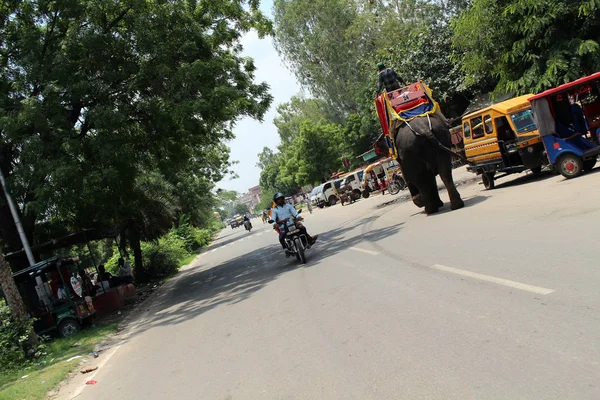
pixel 315 196
pixel 328 196
pixel 352 183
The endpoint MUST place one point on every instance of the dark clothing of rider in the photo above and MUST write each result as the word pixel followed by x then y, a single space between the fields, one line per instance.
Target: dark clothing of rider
pixel 389 79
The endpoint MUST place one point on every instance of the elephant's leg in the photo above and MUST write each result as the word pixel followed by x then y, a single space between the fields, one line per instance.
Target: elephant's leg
pixel 445 171
pixel 435 197
pixel 412 170
pixel 430 194
pixel 415 194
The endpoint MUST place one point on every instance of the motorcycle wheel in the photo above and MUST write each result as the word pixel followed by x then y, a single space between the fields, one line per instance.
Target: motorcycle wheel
pixel 394 188
pixel 299 251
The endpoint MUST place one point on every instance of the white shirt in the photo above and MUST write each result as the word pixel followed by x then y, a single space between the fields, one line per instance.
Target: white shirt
pixel 125 270
pixel 281 213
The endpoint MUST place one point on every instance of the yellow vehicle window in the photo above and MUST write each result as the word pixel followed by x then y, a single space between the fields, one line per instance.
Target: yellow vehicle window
pixel 477 125
pixel 467 130
pixel 487 122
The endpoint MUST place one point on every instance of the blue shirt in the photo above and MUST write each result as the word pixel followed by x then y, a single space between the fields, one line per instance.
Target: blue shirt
pixel 281 213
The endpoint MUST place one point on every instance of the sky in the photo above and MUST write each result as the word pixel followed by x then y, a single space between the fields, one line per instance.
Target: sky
pixel 252 136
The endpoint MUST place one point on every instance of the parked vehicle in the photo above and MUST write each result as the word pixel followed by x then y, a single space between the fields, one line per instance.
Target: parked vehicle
pixel 296 243
pixel 315 196
pixel 378 175
pixel 503 138
pixel 327 194
pixel 58 294
pixel 350 188
pixel 565 115
pixel 397 183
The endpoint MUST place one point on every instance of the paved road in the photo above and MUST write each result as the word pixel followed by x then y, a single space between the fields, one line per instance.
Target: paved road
pixel 499 300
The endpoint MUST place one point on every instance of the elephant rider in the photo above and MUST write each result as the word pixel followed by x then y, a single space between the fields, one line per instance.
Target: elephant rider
pixel 388 78
pixel 281 213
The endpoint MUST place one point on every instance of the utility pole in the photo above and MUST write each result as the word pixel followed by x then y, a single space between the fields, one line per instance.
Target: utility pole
pixel 18 224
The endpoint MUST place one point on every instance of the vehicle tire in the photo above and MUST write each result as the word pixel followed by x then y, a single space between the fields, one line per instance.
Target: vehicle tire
pixel 536 170
pixel 588 165
pixel 356 193
pixel 300 251
pixel 333 200
pixel 68 327
pixel 488 180
pixel 366 194
pixel 402 183
pixel 394 188
pixel 569 165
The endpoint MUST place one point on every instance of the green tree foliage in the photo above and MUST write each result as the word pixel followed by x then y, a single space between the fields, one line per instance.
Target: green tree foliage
pixel 241 209
pixel 116 114
pixel 528 45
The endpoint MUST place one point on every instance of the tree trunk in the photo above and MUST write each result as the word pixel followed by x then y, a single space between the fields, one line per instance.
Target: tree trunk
pixel 13 298
pixel 138 268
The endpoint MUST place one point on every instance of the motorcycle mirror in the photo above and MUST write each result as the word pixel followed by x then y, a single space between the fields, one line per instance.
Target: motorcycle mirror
pixel 270 221
pixel 299 211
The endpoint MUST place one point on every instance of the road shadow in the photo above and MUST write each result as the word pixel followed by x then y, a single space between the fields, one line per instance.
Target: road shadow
pixel 524 179
pixel 220 242
pixel 196 291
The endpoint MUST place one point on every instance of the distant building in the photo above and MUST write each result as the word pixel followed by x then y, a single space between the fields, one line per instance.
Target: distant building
pixel 252 197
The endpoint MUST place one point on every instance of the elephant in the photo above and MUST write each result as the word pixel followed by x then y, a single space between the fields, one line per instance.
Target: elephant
pixel 421 158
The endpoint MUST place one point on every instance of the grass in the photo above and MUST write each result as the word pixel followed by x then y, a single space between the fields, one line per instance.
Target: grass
pixel 188 259
pixel 52 368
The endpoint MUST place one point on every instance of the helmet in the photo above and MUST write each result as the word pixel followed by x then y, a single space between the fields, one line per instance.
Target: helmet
pixel 380 65
pixel 278 195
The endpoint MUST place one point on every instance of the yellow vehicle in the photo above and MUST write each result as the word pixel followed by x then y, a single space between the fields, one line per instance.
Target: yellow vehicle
pixel 503 138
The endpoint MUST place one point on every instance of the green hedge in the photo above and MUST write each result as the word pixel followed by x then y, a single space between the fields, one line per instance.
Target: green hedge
pixel 13 336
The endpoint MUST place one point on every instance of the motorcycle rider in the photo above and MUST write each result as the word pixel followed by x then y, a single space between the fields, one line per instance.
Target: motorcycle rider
pixel 246 219
pixel 281 213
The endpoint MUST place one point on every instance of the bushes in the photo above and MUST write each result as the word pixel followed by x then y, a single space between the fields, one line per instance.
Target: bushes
pixel 161 258
pixel 13 336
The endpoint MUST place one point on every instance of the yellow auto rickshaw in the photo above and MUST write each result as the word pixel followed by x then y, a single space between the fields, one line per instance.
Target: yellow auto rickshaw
pixel 503 138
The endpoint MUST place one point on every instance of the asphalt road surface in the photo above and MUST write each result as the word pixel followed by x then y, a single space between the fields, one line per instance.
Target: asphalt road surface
pixel 499 300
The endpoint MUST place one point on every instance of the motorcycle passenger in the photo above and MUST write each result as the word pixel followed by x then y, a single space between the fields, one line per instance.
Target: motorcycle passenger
pixel 281 213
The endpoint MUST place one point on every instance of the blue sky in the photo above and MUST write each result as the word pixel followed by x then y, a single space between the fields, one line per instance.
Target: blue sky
pixel 251 135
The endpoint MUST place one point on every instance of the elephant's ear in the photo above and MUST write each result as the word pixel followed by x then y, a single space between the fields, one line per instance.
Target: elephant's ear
pixel 380 146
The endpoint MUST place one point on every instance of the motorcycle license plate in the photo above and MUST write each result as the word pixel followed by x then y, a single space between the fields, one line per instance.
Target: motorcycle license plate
pixel 293 231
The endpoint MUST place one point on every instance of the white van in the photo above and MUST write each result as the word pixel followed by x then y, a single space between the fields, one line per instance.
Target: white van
pixel 314 195
pixel 354 182
pixel 329 193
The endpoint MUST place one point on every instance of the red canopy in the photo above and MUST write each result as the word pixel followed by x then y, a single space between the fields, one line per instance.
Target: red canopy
pixel 566 86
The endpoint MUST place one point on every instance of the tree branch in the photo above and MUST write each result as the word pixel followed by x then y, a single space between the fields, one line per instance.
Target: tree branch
pixel 117 20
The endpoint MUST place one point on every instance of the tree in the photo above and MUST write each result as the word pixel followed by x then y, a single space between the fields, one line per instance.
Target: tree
pixel 528 45
pixel 290 116
pixel 241 209
pixel 102 106
pixel 13 299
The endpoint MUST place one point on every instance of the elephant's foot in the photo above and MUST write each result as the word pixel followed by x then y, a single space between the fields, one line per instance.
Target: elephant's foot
pixel 429 209
pixel 417 200
pixel 440 203
pixel 457 204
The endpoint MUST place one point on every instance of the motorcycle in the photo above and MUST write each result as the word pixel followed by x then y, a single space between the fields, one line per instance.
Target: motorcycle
pixel 397 184
pixel 348 195
pixel 295 242
pixel 248 225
